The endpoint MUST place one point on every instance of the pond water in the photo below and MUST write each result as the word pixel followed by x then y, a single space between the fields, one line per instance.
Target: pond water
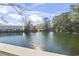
pixel 66 44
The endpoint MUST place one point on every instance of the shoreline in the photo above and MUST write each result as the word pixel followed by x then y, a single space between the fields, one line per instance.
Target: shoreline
pixel 21 51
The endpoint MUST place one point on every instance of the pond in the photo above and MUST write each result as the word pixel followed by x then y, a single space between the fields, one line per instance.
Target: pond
pixel 62 43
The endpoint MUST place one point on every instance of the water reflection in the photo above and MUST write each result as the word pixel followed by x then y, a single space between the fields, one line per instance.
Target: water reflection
pixel 36 41
pixel 10 34
pixel 49 43
pixel 68 42
pixel 62 43
pixel 28 42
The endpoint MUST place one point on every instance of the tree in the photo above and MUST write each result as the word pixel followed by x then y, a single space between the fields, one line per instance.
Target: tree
pixel 75 8
pixel 68 21
pixel 46 24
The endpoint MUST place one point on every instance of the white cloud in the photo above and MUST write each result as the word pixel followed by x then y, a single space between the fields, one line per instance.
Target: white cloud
pixel 39 13
pixel 1 22
pixel 35 19
pixel 14 23
pixel 35 16
pixel 10 15
pixel 16 16
pixel 3 9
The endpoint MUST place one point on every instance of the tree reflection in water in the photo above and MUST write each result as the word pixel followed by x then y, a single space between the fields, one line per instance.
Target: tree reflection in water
pixel 68 42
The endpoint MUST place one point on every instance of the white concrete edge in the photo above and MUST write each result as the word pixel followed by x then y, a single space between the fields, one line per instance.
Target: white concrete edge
pixel 21 51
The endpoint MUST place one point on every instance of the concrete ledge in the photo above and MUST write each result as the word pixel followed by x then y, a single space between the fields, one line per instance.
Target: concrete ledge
pixel 21 51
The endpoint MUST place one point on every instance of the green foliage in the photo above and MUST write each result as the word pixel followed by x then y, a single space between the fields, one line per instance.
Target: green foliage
pixel 67 22
pixel 46 24
pixel 75 8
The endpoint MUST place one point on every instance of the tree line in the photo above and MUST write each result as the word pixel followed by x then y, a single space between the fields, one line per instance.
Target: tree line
pixel 68 21
pixel 65 22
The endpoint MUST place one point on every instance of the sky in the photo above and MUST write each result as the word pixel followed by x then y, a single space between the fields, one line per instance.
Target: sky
pixel 34 11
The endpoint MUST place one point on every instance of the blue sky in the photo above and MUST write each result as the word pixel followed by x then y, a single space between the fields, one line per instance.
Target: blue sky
pixel 50 7
pixel 35 11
